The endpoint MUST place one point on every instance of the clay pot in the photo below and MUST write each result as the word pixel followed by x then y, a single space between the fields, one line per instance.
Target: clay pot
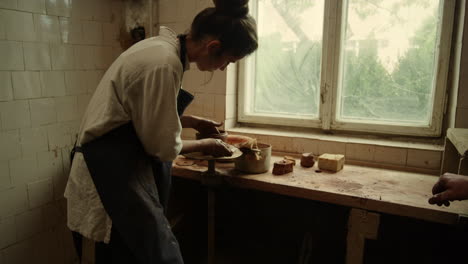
pixel 222 135
pixel 248 162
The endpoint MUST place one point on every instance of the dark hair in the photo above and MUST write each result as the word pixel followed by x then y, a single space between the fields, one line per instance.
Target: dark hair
pixel 230 23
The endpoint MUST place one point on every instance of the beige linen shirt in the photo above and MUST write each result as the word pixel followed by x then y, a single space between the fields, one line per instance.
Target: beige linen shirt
pixel 141 86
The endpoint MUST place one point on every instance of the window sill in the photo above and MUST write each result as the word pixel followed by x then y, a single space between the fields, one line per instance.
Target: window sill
pixel 390 141
pixel 407 154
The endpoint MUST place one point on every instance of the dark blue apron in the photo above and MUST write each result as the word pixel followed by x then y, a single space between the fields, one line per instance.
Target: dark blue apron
pixel 134 189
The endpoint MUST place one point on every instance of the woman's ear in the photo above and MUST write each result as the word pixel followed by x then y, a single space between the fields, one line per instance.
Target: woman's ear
pixel 214 47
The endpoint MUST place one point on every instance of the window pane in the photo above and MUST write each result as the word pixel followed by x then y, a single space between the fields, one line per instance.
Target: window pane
pixel 388 61
pixel 287 69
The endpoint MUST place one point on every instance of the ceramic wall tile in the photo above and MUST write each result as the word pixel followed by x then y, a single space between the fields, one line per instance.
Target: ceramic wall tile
pixel 92 80
pixel 9 140
pixel 5 179
pixel 305 145
pixel 28 223
pixel 15 114
pixel 282 144
pixel 23 170
pixel 71 31
pixel 83 101
pixel 92 33
pixel 59 7
pixel 67 108
pixel 101 10
pixel 36 56
pixel 220 108
pixel 390 155
pixel 26 85
pixel 52 216
pixel 19 25
pixel 168 11
pixel 231 106
pixel 103 57
pixel 6 88
pixel 331 147
pixel 2 27
pixel 58 136
pixel 47 28
pixel 76 82
pixel 216 82
pixel 194 80
pixel 82 9
pixel 62 56
pixel 34 6
pixel 110 33
pixel 11 53
pixel 33 140
pixel 10 4
pixel 8 231
pixel 43 111
pixel 52 83
pixel 13 201
pixel 360 152
pixel 15 253
pixel 40 193
pixel 85 57
pixel 426 159
pixel 49 164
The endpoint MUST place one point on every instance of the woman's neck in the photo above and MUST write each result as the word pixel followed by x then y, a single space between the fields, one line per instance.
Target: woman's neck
pixel 192 49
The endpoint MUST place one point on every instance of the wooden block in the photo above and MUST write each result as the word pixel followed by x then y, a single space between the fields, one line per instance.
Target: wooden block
pixel 282 167
pixel 331 162
pixel 291 159
pixel 307 160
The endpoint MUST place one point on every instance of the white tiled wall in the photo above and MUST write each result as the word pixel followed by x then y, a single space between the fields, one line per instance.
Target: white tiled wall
pixel 52 55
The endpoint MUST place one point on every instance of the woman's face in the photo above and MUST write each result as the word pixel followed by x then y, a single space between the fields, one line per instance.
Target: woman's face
pixel 209 60
pixel 213 63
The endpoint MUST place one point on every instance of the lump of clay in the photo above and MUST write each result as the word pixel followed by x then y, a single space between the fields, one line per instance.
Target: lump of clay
pixel 307 160
pixel 291 159
pixel 331 162
pixel 282 167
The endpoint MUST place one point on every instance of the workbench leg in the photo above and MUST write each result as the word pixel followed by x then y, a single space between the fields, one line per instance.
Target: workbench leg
pixel 88 253
pixel 362 225
pixel 211 226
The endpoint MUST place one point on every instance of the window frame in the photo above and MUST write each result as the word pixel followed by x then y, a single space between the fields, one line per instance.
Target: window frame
pixel 333 31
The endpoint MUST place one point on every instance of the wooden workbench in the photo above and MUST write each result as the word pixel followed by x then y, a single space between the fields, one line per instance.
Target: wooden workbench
pixel 368 191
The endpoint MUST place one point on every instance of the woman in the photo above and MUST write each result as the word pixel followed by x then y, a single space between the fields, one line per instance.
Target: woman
pixel 130 133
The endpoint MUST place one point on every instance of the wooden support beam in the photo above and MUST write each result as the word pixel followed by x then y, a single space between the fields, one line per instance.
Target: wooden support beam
pixel 211 226
pixel 362 225
pixel 88 251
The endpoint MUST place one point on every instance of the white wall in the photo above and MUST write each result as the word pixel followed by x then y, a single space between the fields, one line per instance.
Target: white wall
pixel 52 55
pixel 461 117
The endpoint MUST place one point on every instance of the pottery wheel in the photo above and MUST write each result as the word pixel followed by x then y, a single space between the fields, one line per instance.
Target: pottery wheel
pixel 201 156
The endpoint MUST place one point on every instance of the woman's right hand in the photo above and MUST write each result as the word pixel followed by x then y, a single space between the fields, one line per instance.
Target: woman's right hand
pixel 215 147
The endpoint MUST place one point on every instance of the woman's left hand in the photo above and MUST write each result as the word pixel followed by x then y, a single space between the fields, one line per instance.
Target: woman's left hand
pixel 202 125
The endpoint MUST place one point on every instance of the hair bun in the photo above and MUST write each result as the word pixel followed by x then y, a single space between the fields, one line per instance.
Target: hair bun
pixel 233 8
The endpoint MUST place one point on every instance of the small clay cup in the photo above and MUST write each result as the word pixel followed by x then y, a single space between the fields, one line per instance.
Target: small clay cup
pixel 222 135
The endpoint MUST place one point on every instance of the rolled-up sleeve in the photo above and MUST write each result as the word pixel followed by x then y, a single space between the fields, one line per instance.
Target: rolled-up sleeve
pixel 151 101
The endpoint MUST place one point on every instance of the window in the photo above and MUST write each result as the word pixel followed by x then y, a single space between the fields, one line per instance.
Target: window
pixel 358 65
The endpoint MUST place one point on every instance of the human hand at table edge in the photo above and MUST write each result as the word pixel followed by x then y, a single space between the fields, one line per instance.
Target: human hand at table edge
pixel 209 146
pixel 448 188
